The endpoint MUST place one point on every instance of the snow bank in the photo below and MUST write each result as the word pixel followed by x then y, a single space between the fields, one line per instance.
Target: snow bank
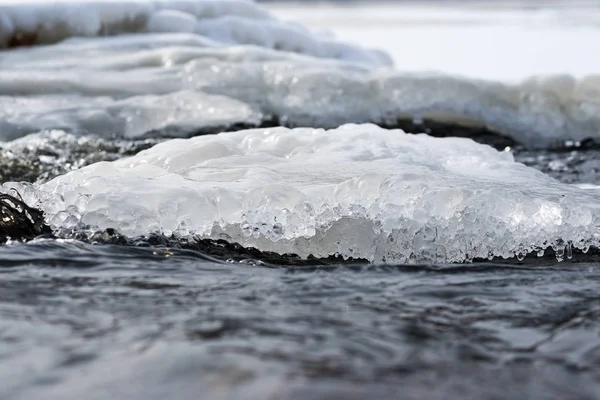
pixel 498 40
pixel 357 191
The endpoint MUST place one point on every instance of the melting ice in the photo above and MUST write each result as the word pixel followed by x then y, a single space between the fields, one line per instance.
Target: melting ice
pixel 357 191
pixel 135 68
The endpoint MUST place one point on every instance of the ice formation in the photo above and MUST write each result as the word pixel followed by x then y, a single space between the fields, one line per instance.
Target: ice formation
pixel 358 191
pixel 135 68
pixel 207 63
pixel 227 22
pixel 128 118
pixel 100 85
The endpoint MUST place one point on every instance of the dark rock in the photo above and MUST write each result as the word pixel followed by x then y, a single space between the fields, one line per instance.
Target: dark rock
pixel 18 221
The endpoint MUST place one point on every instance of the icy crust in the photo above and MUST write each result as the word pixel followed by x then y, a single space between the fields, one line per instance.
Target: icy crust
pixel 226 22
pixel 96 85
pixel 356 191
pixel 536 112
pixel 128 118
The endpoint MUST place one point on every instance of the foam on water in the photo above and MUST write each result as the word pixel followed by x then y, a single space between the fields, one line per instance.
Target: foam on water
pixel 357 191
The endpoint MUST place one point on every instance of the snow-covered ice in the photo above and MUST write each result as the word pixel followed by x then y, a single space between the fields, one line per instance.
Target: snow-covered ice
pixel 132 117
pixel 100 85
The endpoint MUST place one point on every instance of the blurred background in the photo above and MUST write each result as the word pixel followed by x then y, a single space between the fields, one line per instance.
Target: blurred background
pixel 495 40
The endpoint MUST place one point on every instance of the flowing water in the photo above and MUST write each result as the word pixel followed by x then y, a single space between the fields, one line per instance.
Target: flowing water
pixel 111 321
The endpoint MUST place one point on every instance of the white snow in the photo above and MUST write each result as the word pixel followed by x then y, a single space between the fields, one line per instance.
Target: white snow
pixel 357 191
pixel 171 21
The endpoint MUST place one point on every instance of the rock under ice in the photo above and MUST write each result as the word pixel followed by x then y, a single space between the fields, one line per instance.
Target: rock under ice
pixel 357 191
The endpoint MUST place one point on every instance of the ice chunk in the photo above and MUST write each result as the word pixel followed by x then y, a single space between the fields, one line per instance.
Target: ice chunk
pixel 357 191
pixel 235 52
pixel 535 112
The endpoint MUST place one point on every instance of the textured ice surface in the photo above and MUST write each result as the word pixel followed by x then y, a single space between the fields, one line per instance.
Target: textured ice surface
pixel 357 191
pixel 128 85
pixel 128 118
pixel 535 112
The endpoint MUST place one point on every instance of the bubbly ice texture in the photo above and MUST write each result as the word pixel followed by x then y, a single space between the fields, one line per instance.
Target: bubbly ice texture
pixel 131 68
pixel 358 191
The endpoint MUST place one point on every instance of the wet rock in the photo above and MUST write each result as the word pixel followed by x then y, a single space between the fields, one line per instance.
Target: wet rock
pixel 18 221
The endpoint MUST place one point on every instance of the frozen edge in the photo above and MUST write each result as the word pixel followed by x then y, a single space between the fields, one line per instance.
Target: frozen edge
pixel 370 240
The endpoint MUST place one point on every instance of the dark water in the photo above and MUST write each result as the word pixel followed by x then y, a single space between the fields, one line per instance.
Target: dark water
pixel 100 322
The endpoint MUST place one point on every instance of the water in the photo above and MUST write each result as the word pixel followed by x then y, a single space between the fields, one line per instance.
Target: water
pixel 89 313
pixel 111 321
